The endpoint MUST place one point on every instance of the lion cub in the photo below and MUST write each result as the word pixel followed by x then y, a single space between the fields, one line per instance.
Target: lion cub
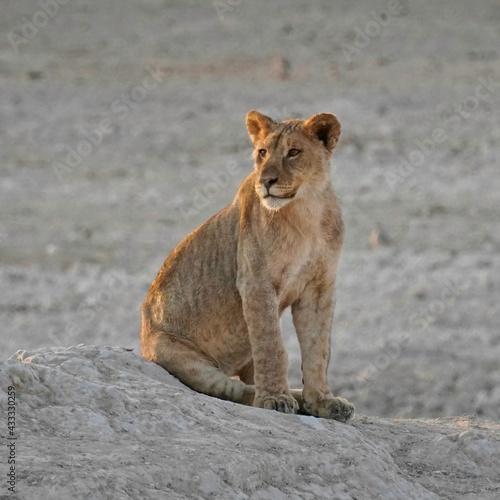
pixel 211 317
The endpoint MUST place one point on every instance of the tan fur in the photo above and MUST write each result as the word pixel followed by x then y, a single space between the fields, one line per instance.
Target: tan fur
pixel 211 317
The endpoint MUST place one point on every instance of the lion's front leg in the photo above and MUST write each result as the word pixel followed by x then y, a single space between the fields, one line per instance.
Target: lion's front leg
pixel 260 309
pixel 312 317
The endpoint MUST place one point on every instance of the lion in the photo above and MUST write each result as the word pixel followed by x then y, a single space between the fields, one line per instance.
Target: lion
pixel 212 314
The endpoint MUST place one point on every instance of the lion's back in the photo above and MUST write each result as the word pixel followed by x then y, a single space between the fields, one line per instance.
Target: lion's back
pixel 198 278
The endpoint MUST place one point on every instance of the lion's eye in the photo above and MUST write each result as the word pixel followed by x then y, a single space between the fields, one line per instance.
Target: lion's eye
pixel 293 153
pixel 262 152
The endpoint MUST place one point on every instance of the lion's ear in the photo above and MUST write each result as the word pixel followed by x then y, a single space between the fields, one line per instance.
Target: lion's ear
pixel 258 126
pixel 324 127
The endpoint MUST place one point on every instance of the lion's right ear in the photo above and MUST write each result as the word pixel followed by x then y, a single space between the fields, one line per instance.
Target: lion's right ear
pixel 258 126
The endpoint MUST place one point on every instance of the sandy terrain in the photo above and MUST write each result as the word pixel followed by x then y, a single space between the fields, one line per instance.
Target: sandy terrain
pixel 122 129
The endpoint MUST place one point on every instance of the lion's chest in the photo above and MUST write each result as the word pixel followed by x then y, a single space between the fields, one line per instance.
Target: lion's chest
pixel 294 270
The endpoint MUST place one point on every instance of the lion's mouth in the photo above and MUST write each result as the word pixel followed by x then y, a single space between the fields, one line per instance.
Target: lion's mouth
pixel 287 197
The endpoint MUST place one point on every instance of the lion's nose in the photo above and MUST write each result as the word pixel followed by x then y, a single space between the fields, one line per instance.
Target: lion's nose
pixel 267 182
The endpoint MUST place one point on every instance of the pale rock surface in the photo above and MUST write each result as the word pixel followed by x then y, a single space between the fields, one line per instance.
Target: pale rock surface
pixel 101 422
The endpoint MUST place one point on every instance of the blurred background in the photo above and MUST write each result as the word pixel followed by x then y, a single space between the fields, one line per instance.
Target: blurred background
pixel 122 128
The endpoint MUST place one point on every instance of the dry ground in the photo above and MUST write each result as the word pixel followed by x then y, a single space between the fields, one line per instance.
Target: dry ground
pixel 162 88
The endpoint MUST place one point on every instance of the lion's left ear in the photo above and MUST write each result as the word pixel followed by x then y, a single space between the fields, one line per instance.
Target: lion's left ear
pixel 324 127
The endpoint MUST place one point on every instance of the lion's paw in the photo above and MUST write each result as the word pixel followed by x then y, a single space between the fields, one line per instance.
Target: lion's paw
pixel 335 408
pixel 283 403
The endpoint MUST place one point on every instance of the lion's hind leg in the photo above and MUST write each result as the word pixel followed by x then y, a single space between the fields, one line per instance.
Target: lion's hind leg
pixel 194 369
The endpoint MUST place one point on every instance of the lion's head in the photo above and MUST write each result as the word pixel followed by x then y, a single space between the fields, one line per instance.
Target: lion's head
pixel 291 157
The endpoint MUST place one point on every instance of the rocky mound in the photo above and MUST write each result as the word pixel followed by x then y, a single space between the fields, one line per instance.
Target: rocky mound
pixel 101 422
